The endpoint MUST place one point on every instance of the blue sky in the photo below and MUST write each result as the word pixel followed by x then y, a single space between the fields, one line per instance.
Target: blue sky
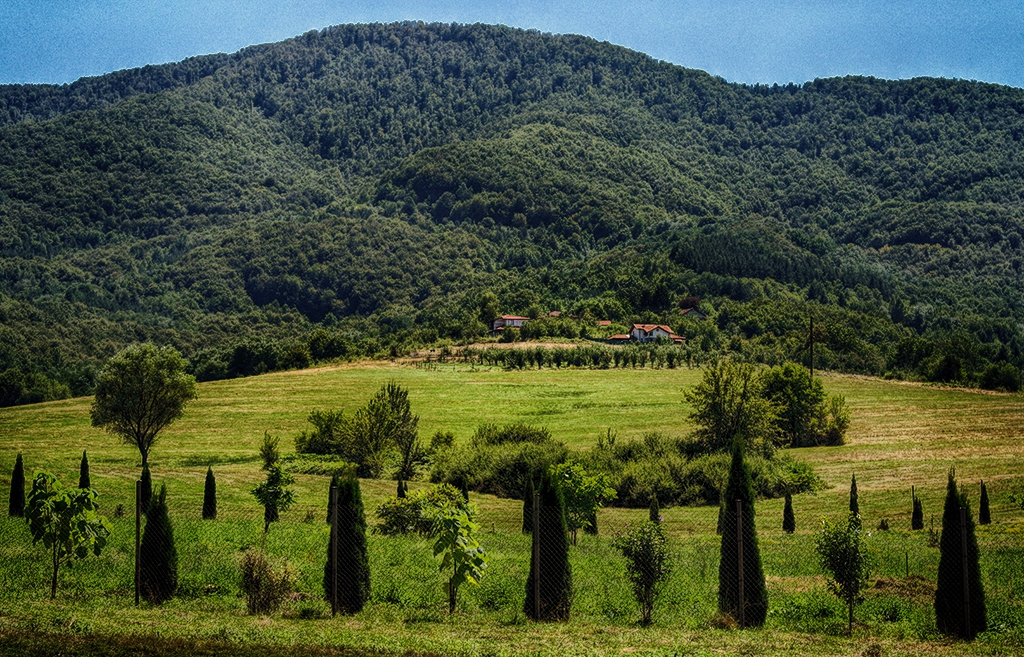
pixel 56 41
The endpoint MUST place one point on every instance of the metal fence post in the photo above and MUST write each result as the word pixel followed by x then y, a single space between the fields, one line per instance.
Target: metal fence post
pixel 138 532
pixel 334 550
pixel 739 544
pixel 967 590
pixel 536 555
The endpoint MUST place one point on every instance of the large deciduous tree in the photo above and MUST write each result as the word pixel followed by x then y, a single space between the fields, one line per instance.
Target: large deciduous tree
pixel 727 404
pixel 139 392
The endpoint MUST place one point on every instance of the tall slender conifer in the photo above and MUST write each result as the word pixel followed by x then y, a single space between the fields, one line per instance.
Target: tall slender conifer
pixel 83 472
pixel 16 504
pixel 755 594
pixel 950 608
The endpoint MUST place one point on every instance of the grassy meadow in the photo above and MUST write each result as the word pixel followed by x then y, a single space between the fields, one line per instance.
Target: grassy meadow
pixel 900 435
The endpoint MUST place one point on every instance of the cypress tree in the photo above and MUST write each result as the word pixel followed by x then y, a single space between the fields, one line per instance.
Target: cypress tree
pixel 83 472
pixel 984 516
pixel 788 519
pixel 755 595
pixel 528 508
pixel 210 496
pixel 721 508
pixel 854 506
pixel 917 518
pixel 330 504
pixel 147 488
pixel 555 575
pixel 654 512
pixel 949 590
pixel 400 493
pixel 158 572
pixel 16 506
pixel 353 565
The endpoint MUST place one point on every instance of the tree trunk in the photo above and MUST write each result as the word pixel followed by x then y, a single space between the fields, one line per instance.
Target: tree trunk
pixel 451 596
pixel 145 456
pixel 56 566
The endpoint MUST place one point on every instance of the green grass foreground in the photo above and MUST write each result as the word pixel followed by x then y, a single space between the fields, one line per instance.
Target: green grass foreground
pixel 900 435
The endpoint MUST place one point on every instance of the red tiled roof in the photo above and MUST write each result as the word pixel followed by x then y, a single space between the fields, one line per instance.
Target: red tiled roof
pixel 554 313
pixel 620 336
pixel 647 328
pixel 604 322
pixel 513 317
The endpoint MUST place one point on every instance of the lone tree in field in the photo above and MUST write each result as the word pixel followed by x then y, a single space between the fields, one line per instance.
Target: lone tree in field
pixel 66 522
pixel 841 553
pixel 158 567
pixel 140 391
pixel 16 504
pixel 727 404
pixel 555 575
pixel 854 505
pixel 984 515
pixel 917 517
pixel 755 595
pixel 788 519
pixel 83 472
pixel 210 496
pixel 950 612
pixel 353 565
pixel 647 563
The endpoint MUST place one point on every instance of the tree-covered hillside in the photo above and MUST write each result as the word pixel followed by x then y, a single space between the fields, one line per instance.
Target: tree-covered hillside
pixel 368 188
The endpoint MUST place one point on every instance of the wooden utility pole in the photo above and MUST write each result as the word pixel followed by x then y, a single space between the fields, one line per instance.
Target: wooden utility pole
pixel 334 550
pixel 536 555
pixel 967 590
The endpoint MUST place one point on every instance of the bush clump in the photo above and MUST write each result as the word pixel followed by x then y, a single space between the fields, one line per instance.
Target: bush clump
pixel 265 587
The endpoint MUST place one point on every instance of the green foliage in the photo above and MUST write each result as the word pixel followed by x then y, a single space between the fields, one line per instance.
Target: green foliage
pixel 147 489
pixel 274 495
pixel 950 614
pixel 499 461
pixel 843 557
pixel 414 512
pixel 727 405
pixel 16 502
pixel 555 600
pixel 854 504
pixel 984 515
pixel 583 493
pixel 65 521
pixel 140 391
pixel 528 493
pixel 385 426
pixel 158 569
pixel 755 598
pixel 917 515
pixel 269 454
pixel 83 472
pixel 210 495
pixel 788 519
pixel 353 569
pixel 265 587
pixel 645 548
pixel 654 511
pixel 462 558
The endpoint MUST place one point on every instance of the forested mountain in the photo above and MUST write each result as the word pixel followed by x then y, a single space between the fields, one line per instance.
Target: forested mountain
pixel 368 188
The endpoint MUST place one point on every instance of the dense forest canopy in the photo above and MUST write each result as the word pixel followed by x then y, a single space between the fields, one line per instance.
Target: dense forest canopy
pixel 368 188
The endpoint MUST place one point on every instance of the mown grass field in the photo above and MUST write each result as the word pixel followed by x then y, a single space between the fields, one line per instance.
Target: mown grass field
pixel 900 435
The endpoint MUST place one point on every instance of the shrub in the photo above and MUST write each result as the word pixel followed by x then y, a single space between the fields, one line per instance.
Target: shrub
pixel 210 496
pixel 158 570
pixel 984 515
pixel 353 568
pixel 647 563
pixel 949 590
pixel 654 511
pixel 16 503
pixel 842 556
pixel 147 489
pixel 265 587
pixel 917 517
pixel 555 575
pixel 788 519
pixel 414 513
pixel 501 469
pixel 854 504
pixel 83 472
pixel 755 607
